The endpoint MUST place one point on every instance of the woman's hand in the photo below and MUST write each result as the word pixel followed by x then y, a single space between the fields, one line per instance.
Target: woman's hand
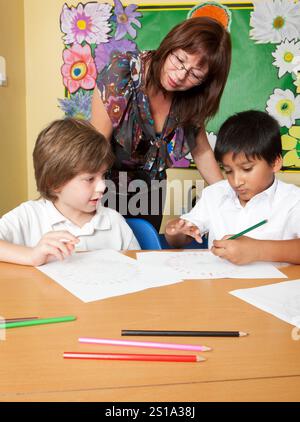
pixel 56 244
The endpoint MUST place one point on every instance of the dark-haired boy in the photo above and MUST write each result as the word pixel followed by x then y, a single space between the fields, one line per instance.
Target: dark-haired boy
pixel 249 149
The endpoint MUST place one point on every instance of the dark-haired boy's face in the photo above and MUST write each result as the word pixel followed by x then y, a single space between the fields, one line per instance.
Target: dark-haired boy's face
pixel 249 176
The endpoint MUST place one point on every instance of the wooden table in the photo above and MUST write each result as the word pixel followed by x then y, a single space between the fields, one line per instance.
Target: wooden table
pixel 265 366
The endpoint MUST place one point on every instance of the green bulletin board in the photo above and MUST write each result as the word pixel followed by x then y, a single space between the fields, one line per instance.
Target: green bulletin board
pixel 253 76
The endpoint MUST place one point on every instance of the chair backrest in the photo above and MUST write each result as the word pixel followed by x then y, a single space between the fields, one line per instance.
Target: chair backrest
pixel 145 233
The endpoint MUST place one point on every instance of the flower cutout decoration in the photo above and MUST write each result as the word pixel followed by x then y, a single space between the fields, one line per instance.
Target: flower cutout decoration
pixel 284 56
pixel 297 83
pixel 89 23
pixel 284 107
pixel 212 139
pixel 103 52
pixel 89 48
pixel 213 10
pixel 79 69
pixel 274 21
pixel 291 147
pixel 296 72
pixel 77 105
pixel 125 18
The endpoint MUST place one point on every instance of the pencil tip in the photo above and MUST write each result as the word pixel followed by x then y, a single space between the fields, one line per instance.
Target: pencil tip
pixel 242 334
pixel 206 349
pixel 199 358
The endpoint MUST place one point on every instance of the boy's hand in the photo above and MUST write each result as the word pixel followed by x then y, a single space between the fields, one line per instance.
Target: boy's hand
pixel 59 245
pixel 180 226
pixel 238 251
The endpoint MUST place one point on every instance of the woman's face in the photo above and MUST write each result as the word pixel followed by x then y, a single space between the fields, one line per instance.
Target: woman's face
pixel 181 71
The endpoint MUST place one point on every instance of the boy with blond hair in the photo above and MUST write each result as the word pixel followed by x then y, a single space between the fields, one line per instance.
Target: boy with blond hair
pixel 70 161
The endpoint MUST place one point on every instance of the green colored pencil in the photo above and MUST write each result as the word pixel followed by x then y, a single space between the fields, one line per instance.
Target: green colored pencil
pixel 37 322
pixel 248 230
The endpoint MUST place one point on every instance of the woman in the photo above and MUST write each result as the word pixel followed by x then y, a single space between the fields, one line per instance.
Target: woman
pixel 144 100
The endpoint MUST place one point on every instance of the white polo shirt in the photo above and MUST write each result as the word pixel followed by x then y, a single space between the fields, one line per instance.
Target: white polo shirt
pixel 220 212
pixel 26 224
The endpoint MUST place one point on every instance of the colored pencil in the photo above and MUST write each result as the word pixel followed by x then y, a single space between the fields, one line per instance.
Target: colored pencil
pixel 235 236
pixel 127 356
pixel 150 344
pixel 37 322
pixel 169 333
pixel 6 320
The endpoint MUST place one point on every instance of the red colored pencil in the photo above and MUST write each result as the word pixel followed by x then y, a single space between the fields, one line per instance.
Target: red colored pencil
pixel 128 356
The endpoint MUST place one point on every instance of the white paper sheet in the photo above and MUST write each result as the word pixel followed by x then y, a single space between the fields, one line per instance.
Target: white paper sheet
pixel 204 265
pixel 101 274
pixel 281 299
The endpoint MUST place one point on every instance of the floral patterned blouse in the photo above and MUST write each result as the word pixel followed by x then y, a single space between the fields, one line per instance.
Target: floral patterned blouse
pixel 139 151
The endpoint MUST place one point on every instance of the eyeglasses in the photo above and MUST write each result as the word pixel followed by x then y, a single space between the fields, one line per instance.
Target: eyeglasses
pixel 179 65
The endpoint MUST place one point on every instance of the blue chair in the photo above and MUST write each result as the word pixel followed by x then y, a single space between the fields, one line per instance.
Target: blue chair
pixel 145 233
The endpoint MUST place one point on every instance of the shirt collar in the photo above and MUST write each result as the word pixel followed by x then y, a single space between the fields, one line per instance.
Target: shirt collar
pixel 54 215
pixel 100 220
pixel 267 193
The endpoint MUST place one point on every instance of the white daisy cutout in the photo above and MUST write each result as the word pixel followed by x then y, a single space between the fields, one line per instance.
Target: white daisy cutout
pixel 285 55
pixel 212 138
pixel 284 107
pixel 274 21
pixel 296 72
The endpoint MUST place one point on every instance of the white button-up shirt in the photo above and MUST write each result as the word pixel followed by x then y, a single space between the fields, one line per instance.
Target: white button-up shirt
pixel 26 224
pixel 219 212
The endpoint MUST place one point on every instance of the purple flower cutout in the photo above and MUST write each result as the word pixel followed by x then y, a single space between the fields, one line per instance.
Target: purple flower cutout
pixel 103 52
pixel 78 105
pixel 125 18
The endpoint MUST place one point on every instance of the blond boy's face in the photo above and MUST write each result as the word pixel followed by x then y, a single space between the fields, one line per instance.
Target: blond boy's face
pixel 80 196
pixel 249 176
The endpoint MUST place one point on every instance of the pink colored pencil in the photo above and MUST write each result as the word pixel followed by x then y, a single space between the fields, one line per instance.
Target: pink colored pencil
pixel 173 346
pixel 127 356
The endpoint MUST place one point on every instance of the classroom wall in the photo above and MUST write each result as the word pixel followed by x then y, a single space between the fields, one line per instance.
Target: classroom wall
pixel 32 43
pixel 13 168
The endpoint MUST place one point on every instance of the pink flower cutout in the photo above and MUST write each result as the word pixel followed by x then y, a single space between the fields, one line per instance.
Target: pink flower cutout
pixel 78 70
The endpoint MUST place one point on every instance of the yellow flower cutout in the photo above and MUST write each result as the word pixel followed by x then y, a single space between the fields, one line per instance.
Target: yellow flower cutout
pixel 291 143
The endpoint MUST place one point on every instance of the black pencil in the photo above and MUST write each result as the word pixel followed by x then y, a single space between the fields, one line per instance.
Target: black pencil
pixel 168 333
